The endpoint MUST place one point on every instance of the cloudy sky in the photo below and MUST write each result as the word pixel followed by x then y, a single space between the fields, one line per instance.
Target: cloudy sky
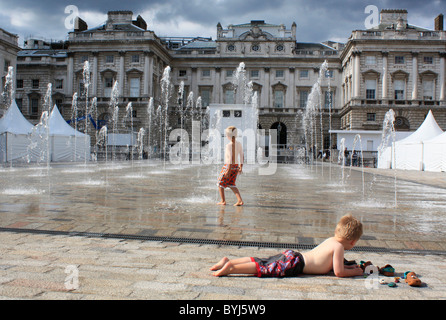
pixel 317 20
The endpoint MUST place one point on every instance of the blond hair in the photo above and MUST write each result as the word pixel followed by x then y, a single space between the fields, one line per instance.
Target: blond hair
pixel 231 132
pixel 349 228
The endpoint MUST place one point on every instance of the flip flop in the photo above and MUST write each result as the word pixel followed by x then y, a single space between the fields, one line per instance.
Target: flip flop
pixel 387 270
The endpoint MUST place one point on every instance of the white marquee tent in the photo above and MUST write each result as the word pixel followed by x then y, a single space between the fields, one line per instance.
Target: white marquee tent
pixel 435 153
pixel 15 132
pixel 20 140
pixel 409 152
pixel 67 144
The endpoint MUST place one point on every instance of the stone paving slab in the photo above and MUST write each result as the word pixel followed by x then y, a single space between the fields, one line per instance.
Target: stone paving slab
pixel 34 266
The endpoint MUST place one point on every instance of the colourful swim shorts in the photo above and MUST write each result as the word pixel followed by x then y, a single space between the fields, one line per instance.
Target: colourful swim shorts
pixel 225 182
pixel 286 264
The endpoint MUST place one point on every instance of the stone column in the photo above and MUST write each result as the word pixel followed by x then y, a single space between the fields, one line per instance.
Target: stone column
pixel 217 88
pixel 70 74
pixel 384 93
pixel 121 72
pixel 94 82
pixel 357 75
pixel 266 92
pixel 414 75
pixel 291 93
pixel 146 75
pixel 442 76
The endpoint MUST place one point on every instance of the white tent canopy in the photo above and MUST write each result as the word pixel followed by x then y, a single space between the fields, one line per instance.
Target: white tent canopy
pixel 409 152
pixel 435 153
pixel 15 133
pixel 67 144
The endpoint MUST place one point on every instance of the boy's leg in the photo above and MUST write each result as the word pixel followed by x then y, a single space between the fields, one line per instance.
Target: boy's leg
pixel 221 191
pixel 239 197
pixel 225 260
pixel 240 268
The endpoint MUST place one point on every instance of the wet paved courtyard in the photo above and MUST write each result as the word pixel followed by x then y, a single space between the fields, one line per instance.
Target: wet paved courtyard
pixel 297 204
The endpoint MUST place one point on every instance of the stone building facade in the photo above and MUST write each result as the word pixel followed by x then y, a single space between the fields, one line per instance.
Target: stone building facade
pixel 394 65
pixel 8 56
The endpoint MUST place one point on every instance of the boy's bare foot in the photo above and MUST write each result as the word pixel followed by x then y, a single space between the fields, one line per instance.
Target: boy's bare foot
pixel 224 271
pixel 222 203
pixel 239 203
pixel 219 265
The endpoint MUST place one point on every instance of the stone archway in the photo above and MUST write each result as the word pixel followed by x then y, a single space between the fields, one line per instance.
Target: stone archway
pixel 281 133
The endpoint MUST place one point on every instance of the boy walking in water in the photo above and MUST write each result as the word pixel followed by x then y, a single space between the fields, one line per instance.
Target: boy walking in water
pixel 327 256
pixel 232 166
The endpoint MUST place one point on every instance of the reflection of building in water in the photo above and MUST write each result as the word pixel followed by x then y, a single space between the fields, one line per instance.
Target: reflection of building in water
pixel 393 65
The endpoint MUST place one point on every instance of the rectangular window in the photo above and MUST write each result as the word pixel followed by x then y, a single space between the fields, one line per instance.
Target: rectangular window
pixel 229 73
pixel 19 84
pixel 109 59
pixel 303 96
pixel 237 113
pixel 303 74
pixel 84 58
pixel 226 113
pixel 428 60
pixel 135 58
pixel 35 83
pixel 370 60
pixel 108 85
pixel 19 104
pixel 371 116
pixel 399 89
pixel 229 96
pixel 428 89
pixel 206 73
pixel 279 74
pixel 34 106
pixel 59 83
pixel 399 59
pixel 278 99
pixel 182 73
pixel 7 64
pixel 254 73
pixel 134 87
pixel 205 97
pixel 370 89
pixel 328 99
pixel 329 74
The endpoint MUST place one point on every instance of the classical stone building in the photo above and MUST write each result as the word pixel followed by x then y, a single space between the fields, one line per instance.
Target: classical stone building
pixel 394 65
pixel 8 55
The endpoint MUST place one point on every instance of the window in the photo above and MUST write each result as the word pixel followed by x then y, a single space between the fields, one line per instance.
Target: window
pixel 329 74
pixel 59 83
pixel 254 73
pixel 428 89
pixel 206 73
pixel 135 58
pixel 134 87
pixel 109 59
pixel 205 97
pixel 303 96
pixel 226 113
pixel 34 106
pixel 229 96
pixel 328 99
pixel 237 113
pixel 303 74
pixel 19 104
pixel 7 64
pixel 428 60
pixel 399 89
pixel 231 47
pixel 370 60
pixel 371 116
pixel 370 90
pixel 19 84
pixel 182 73
pixel 279 73
pixel 280 47
pixel 229 73
pixel 108 85
pixel 35 83
pixel 84 58
pixel 399 59
pixel 278 99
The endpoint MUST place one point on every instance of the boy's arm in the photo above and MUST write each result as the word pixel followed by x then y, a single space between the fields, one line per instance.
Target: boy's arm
pixel 338 265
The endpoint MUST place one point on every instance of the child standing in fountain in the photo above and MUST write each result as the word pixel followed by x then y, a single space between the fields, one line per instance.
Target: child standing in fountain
pixel 232 166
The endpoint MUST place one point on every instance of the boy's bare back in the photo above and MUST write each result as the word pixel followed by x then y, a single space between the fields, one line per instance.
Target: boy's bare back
pixel 327 256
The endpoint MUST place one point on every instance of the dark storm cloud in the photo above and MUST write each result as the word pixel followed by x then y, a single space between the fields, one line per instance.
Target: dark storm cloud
pixel 316 20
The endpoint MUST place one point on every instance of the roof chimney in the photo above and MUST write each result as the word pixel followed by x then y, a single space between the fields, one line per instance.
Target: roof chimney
pixel 439 23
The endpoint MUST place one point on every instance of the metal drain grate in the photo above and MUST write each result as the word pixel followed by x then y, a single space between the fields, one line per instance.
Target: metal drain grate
pixel 297 246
